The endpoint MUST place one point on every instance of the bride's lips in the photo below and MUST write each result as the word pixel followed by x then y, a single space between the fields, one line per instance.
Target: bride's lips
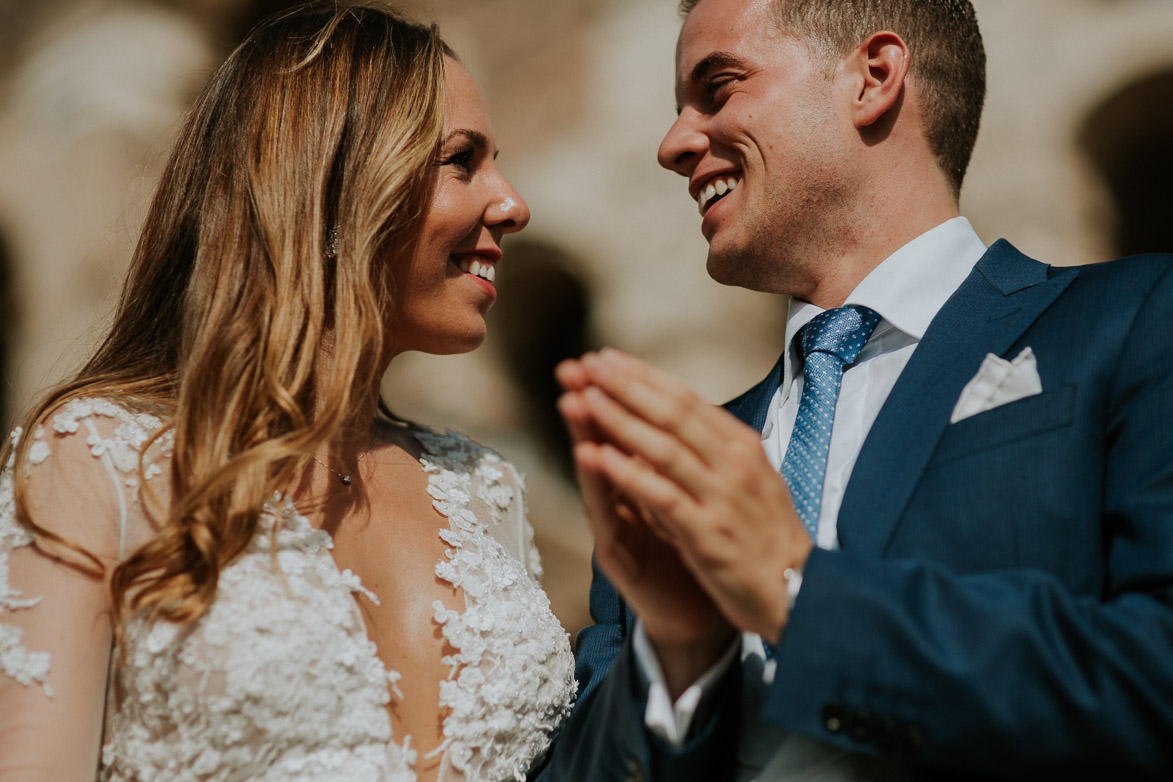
pixel 480 266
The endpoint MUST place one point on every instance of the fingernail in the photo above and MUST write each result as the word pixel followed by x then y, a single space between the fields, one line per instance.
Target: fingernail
pixel 611 358
pixel 599 366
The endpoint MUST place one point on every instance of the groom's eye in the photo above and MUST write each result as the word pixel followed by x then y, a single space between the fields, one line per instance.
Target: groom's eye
pixel 714 89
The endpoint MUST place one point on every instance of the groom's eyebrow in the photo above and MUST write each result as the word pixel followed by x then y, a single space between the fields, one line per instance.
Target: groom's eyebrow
pixel 713 62
pixel 705 67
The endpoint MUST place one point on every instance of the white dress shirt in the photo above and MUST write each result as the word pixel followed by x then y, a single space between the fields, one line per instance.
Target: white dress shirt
pixel 907 289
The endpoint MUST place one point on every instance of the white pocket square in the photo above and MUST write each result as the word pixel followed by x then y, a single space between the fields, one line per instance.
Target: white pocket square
pixel 998 382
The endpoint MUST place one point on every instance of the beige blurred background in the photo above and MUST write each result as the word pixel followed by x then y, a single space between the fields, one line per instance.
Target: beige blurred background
pixel 1074 164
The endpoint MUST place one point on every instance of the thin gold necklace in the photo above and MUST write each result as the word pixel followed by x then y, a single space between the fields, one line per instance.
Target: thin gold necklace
pixel 345 477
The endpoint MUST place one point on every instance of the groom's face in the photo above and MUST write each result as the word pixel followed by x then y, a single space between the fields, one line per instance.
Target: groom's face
pixel 760 139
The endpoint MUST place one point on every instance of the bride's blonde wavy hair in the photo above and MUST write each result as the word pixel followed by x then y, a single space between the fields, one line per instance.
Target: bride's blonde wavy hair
pixel 303 163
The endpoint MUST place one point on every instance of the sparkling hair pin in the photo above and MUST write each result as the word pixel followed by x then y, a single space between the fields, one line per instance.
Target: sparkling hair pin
pixel 332 243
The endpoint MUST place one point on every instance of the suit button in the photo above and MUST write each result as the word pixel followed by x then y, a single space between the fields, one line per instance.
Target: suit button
pixel 833 717
pixel 914 738
pixel 888 735
pixel 861 727
pixel 634 772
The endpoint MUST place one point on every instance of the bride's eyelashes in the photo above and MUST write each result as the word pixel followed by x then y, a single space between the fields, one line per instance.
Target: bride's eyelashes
pixel 462 158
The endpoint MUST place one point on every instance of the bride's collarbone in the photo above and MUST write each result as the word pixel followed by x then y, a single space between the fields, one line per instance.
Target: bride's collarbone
pixel 390 539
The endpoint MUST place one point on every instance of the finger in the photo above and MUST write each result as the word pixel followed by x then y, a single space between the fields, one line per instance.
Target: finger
pixel 634 513
pixel 668 508
pixel 628 513
pixel 662 450
pixel 608 515
pixel 572 375
pixel 596 495
pixel 653 522
pixel 607 505
pixel 664 402
pixel 577 417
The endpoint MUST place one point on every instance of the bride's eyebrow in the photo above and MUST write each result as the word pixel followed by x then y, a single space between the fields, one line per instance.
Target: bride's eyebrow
pixel 475 137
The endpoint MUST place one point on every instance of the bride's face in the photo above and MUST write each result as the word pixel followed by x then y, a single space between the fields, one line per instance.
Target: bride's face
pixel 445 280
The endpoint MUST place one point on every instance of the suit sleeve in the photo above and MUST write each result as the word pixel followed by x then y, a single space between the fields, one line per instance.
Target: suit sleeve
pixel 1013 672
pixel 604 739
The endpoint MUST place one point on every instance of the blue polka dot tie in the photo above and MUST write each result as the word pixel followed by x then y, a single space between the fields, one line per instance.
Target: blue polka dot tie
pixel 831 341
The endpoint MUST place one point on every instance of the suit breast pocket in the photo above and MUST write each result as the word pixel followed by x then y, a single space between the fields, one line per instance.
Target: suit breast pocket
pixel 1006 424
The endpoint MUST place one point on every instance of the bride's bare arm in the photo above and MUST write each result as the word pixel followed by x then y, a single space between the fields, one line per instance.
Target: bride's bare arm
pixel 55 631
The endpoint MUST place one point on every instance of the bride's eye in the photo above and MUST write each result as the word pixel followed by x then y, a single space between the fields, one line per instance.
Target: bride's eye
pixel 461 158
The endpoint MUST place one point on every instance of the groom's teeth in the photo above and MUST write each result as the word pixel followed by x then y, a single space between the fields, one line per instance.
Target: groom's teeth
pixel 714 189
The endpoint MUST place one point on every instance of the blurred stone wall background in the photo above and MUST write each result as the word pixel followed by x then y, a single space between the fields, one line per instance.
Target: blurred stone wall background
pixel 1074 165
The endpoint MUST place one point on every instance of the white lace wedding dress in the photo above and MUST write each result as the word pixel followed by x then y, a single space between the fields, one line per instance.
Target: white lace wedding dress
pixel 278 680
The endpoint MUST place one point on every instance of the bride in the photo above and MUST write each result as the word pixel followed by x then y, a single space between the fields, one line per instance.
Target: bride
pixel 221 556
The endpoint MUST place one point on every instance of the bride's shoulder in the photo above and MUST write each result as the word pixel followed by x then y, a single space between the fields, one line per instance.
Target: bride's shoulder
pixel 459 452
pixel 84 429
pixel 132 416
pixel 83 470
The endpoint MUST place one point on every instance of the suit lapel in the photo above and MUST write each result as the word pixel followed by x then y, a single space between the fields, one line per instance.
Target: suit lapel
pixel 753 406
pixel 1001 298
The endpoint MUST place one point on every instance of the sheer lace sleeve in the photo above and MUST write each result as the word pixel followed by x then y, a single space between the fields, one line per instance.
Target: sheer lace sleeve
pixel 519 521
pixel 55 631
pixel 499 491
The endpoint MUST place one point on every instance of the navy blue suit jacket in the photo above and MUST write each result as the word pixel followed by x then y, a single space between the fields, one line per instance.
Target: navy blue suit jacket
pixel 1002 602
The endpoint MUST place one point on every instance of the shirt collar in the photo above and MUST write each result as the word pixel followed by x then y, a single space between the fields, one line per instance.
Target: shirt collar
pixel 909 287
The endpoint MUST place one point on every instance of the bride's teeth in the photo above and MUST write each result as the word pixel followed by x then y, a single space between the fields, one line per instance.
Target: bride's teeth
pixel 477 268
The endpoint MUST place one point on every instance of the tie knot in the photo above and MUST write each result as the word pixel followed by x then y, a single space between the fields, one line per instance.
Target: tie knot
pixel 841 332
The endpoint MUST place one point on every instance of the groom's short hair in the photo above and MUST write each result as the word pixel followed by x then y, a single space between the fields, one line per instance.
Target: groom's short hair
pixel 948 58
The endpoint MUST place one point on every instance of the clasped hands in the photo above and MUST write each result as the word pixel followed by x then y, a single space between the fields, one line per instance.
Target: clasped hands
pixel 691 523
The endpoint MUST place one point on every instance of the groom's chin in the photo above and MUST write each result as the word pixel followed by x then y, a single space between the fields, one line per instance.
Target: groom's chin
pixel 739 268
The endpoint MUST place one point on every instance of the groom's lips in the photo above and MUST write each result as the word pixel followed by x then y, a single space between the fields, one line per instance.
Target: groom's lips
pixel 711 188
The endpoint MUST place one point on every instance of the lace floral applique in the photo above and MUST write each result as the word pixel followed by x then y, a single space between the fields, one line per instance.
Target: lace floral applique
pixel 512 675
pixel 533 559
pixel 16 661
pixel 125 444
pixel 276 681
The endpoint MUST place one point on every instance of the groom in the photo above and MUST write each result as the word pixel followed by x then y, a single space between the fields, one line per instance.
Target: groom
pixel 938 544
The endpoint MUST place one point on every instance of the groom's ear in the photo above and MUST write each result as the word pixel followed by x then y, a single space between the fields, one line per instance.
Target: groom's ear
pixel 876 71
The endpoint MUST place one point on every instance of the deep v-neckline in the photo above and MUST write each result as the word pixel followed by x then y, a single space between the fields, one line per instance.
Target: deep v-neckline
pixel 457 472
pixel 420 457
pixel 280 672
